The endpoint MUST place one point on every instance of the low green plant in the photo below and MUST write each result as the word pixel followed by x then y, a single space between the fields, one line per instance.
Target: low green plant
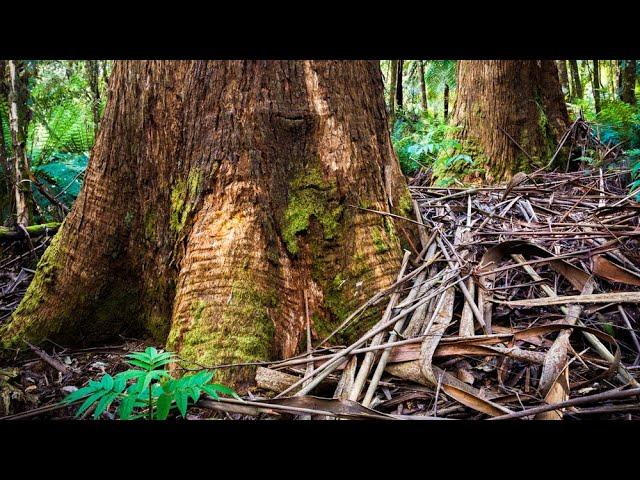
pixel 633 156
pixel 420 140
pixel 147 390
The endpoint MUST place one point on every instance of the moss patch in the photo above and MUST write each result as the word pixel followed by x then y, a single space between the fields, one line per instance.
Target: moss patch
pixel 379 241
pixel 183 195
pixel 310 196
pixel 150 221
pixel 243 333
pixel 406 203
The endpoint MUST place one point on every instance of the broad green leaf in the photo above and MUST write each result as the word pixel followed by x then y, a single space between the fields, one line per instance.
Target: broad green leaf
pixel 81 393
pixel 211 391
pixel 163 406
pixel 126 407
pixel 107 381
pixel 104 404
pixel 224 390
pixel 181 402
pixel 89 401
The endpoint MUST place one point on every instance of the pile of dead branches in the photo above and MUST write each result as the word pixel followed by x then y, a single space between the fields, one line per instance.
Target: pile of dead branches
pixel 20 251
pixel 523 304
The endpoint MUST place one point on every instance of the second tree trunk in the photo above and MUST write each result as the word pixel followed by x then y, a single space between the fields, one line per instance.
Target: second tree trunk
pixel 510 114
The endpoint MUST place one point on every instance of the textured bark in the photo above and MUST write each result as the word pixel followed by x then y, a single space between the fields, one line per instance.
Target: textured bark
pixel 576 90
pixel 596 85
pixel 564 77
pixel 629 82
pixel 399 87
pixel 217 192
pixel 499 99
pixel 423 87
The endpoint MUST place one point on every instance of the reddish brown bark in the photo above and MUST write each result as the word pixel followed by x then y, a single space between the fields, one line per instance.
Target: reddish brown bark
pixel 218 192
pixel 510 113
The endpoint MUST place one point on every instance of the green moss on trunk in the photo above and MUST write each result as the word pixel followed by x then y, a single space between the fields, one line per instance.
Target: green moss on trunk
pixel 310 196
pixel 183 198
pixel 243 333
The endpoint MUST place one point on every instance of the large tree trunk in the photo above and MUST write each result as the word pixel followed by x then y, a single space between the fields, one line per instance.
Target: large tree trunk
pixel 576 91
pixel 510 114
pixel 564 77
pixel 629 82
pixel 218 192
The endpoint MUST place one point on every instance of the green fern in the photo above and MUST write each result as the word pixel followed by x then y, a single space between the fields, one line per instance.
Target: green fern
pixel 147 391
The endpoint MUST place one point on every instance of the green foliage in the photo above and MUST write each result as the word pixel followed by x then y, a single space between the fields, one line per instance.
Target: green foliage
pixel 148 391
pixel 62 113
pixel 62 175
pixel 633 156
pixel 619 122
pixel 437 74
pixel 61 130
pixel 423 141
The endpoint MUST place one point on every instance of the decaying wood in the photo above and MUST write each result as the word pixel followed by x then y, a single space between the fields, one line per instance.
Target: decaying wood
pixel 276 381
pixel 55 363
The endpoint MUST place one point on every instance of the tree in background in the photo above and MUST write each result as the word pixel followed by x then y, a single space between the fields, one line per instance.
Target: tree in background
pixel 564 77
pixel 399 86
pixel 393 85
pixel 446 102
pixel 215 197
pixel 510 114
pixel 423 88
pixel 576 86
pixel 629 76
pixel 5 164
pixel 19 116
pixel 92 72
pixel 596 86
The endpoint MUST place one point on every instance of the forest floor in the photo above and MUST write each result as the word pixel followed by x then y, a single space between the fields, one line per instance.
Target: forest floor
pixel 521 301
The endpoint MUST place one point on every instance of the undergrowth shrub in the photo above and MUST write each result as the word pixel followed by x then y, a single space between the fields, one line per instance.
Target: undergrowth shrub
pixel 428 141
pixel 147 390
